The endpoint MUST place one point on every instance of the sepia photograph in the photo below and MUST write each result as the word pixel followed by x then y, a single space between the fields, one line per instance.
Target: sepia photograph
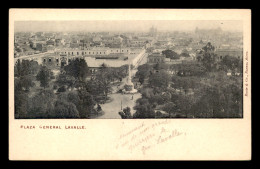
pixel 129 84
pixel 128 69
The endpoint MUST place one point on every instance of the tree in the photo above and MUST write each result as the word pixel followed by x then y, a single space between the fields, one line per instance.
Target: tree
pixel 41 105
pixel 160 66
pixel 190 70
pixel 85 104
pixel 232 63
pixel 44 76
pixel 209 48
pixel 18 69
pixel 150 49
pixel 61 89
pixel 170 108
pixel 143 72
pixel 27 82
pixel 185 53
pixel 126 113
pixel 210 61
pixel 65 80
pixel 34 67
pixel 99 108
pixel 65 109
pixel 104 82
pixel 77 68
pixel 26 67
pixel 159 79
pixel 144 109
pixel 104 85
pixel 20 103
pixel 170 54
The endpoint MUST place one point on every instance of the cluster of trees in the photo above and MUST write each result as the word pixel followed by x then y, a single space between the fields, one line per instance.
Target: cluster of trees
pixel 208 58
pixel 143 72
pixel 159 79
pixel 219 102
pixel 126 113
pixel 220 95
pixel 212 63
pixel 185 53
pixel 40 103
pixel 73 75
pixel 171 54
pixel 24 75
pixel 231 63
pixel 70 95
pixel 188 69
pixel 45 75
pixel 208 102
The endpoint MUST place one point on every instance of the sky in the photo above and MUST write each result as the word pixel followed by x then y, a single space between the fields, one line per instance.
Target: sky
pixel 124 26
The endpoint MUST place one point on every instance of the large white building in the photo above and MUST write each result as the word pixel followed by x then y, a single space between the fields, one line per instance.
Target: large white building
pixel 100 51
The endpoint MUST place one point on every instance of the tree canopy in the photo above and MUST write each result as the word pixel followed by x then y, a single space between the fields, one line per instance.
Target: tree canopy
pixel 77 68
pixel 171 54
pixel 44 76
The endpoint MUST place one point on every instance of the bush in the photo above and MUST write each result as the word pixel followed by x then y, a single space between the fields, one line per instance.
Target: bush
pixel 55 87
pixel 62 89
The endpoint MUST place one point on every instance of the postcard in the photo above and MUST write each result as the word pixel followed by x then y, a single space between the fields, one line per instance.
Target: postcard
pixel 129 84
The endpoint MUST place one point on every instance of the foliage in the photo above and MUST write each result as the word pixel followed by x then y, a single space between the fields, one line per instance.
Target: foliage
pixel 65 109
pixel 210 61
pixel 77 68
pixel 20 103
pixel 208 48
pixel 65 80
pixel 231 63
pixel 41 105
pixel 126 113
pixel 171 54
pixel 26 67
pixel 190 70
pixel 144 109
pixel 150 49
pixel 143 72
pixel 44 76
pixel 159 79
pixel 85 104
pixel 61 89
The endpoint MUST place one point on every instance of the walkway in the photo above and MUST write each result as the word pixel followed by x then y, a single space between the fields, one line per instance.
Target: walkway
pixel 111 109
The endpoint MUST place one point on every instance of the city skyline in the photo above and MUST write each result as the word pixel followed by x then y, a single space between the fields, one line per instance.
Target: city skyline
pixel 124 26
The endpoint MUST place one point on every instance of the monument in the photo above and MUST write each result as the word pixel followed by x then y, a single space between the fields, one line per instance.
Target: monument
pixel 129 86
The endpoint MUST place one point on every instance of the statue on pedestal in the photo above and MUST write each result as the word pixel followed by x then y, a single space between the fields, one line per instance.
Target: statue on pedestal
pixel 129 86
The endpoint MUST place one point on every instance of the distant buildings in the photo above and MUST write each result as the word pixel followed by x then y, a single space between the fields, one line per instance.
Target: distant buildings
pixel 153 31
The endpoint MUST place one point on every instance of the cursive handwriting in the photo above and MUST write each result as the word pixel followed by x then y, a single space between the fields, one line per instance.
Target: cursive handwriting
pixel 144 137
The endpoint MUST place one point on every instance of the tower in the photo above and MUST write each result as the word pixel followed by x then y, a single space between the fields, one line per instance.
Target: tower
pixel 129 78
pixel 129 86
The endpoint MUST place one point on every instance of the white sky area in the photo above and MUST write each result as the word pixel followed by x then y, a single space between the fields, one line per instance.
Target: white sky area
pixel 124 26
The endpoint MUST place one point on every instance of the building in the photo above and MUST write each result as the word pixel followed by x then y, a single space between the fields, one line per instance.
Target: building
pixel 152 31
pixel 58 42
pixel 238 53
pixel 156 58
pixel 41 47
pixel 50 42
pixel 96 51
